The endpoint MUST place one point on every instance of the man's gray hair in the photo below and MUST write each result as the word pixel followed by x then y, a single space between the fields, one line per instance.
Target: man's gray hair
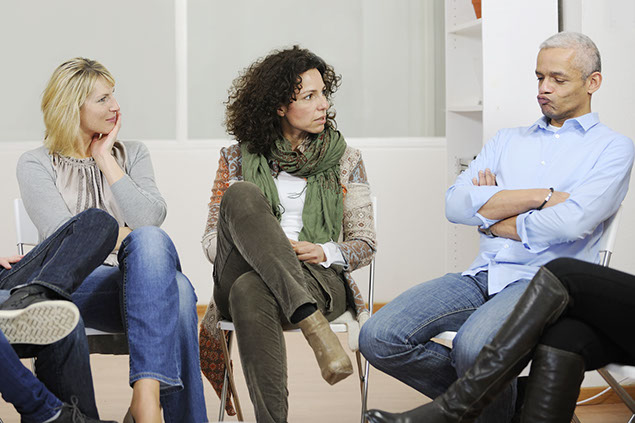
pixel 587 55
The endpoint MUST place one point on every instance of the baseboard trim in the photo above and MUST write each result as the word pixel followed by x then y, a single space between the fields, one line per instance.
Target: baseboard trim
pixel 377 306
pixel 200 310
pixel 610 397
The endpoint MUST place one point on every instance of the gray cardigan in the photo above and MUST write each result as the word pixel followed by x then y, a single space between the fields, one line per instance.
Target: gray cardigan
pixel 136 193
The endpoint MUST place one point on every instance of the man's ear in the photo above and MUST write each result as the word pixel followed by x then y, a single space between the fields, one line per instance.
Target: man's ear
pixel 593 82
pixel 282 110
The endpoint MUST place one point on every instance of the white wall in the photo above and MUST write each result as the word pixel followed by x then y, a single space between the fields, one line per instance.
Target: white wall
pixel 384 51
pixel 39 35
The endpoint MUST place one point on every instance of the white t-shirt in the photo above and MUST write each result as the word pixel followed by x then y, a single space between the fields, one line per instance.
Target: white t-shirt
pixel 292 193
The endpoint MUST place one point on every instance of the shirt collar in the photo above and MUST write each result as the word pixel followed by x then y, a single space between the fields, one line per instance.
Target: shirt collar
pixel 585 122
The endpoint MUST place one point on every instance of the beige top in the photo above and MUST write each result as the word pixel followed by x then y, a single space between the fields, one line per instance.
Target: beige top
pixel 82 185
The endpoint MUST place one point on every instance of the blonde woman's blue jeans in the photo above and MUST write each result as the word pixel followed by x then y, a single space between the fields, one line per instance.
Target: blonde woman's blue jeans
pixel 149 298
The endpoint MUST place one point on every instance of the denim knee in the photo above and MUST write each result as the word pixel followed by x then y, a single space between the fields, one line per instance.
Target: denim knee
pixel 366 339
pixel 373 343
pixel 149 261
pixel 100 217
pixel 149 236
pixel 187 295
pixel 151 242
pixel 465 348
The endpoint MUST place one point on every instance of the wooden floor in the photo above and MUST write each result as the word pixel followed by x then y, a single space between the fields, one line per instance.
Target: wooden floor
pixel 310 398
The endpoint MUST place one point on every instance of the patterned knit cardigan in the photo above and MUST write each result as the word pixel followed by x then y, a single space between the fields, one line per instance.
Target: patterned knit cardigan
pixel 357 244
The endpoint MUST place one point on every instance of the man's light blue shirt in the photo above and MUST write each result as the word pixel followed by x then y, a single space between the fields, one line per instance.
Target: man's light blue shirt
pixel 584 158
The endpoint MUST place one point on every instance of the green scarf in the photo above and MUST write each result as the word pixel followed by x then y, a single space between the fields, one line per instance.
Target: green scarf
pixel 320 165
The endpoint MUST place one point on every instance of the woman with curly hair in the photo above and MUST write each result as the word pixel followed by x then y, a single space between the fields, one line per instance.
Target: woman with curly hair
pixel 290 217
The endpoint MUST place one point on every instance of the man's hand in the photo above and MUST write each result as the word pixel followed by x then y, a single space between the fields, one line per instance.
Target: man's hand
pixel 6 262
pixel 505 228
pixel 309 252
pixel 485 178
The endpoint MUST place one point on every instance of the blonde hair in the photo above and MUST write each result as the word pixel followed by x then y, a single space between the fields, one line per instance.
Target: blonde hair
pixel 65 93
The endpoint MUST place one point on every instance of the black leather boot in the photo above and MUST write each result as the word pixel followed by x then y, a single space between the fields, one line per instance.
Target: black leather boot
pixel 554 386
pixel 429 412
pixel 499 362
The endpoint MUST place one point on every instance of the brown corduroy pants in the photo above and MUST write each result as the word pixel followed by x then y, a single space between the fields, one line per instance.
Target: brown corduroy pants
pixel 258 284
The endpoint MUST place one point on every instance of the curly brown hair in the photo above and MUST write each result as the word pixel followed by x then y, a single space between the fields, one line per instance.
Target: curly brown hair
pixel 263 87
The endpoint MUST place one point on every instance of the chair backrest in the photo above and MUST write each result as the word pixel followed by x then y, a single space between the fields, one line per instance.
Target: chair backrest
pixel 607 241
pixel 25 230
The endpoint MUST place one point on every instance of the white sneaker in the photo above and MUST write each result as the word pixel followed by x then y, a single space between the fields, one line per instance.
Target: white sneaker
pixel 39 323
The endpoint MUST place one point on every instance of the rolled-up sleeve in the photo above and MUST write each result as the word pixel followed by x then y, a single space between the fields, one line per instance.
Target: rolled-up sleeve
pixel 463 200
pixel 593 200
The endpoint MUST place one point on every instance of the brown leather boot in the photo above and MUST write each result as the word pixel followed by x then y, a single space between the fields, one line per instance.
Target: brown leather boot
pixel 331 357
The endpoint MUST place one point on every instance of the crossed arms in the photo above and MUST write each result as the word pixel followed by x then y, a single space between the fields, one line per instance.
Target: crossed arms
pixel 506 205
pixel 590 182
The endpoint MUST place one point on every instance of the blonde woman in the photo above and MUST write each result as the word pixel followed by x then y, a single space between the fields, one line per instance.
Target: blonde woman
pixel 140 289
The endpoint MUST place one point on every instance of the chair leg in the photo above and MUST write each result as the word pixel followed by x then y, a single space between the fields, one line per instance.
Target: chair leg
pixel 229 380
pixel 360 373
pixel 363 382
pixel 223 397
pixel 619 390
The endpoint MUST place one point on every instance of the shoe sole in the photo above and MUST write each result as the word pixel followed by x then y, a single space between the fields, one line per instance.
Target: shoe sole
pixel 41 323
pixel 334 378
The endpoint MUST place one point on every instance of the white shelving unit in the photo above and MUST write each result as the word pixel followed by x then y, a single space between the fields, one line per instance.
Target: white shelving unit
pixel 490 84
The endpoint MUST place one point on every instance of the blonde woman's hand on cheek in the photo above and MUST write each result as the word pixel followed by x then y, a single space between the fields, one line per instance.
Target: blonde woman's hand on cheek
pixel 101 144
pixel 101 150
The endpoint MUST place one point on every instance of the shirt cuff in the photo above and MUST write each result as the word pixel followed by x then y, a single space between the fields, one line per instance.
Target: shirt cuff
pixel 524 235
pixel 486 222
pixel 333 254
pixel 481 195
